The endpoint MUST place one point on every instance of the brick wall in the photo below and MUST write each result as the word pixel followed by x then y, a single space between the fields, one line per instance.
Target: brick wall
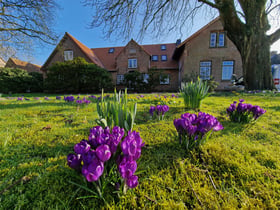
pixel 197 49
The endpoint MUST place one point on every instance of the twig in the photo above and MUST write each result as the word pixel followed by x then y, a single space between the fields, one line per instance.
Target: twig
pixel 23 179
pixel 195 194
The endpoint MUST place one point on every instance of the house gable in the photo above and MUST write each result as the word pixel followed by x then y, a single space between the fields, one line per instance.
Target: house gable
pixel 198 57
pixel 16 63
pixel 69 43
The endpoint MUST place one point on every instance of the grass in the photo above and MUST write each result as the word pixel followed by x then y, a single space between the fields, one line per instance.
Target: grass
pixel 238 167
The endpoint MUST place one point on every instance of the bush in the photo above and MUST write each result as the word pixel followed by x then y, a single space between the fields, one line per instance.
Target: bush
pixel 139 82
pixel 19 81
pixel 193 93
pixel 77 76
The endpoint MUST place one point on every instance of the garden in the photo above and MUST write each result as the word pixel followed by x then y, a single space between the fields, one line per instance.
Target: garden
pixel 140 151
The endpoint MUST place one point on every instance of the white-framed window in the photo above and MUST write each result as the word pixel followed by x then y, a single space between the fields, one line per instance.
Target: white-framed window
pixel 205 70
pixel 227 70
pixel 154 58
pixel 164 80
pixel 163 47
pixel 221 40
pixel 145 78
pixel 132 63
pixel 111 50
pixel 120 79
pixel 68 55
pixel 164 57
pixel 217 39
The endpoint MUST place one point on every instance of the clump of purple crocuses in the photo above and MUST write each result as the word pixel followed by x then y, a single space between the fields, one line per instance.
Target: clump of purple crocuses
pixel 195 129
pixel 244 113
pixel 107 147
pixel 160 110
pixel 84 101
pixel 69 98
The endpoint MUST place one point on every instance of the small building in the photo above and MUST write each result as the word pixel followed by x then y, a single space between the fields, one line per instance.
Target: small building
pixel 29 67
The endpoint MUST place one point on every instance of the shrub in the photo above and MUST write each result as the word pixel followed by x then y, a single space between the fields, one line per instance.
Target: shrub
pixel 139 82
pixel 193 93
pixel 14 80
pixel 77 76
pixel 36 82
pixel 244 113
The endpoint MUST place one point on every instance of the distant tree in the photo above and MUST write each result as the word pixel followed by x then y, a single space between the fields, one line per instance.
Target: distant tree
pixel 24 22
pixel 246 23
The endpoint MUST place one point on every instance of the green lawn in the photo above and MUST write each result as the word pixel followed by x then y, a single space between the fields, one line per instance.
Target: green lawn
pixel 238 167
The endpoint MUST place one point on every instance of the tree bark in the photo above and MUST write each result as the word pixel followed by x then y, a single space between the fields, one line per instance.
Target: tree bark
pixel 251 41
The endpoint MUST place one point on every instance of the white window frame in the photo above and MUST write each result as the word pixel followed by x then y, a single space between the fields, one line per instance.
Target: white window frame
pixel 120 79
pixel 163 56
pixel 205 70
pixel 166 80
pixel 217 39
pixel 68 55
pixel 132 63
pixel 213 39
pixel 227 69
pixel 221 39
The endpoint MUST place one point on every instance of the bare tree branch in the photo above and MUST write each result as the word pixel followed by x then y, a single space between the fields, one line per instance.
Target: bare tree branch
pixel 275 36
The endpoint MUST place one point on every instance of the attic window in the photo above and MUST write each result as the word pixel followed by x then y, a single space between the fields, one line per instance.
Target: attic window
pixel 154 58
pixel 163 47
pixel 111 50
pixel 68 55
pixel 164 57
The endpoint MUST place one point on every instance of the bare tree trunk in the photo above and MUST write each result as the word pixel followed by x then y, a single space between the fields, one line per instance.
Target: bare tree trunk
pixel 255 54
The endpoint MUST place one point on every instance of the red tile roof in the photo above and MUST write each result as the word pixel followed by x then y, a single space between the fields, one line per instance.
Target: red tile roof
pixel 155 49
pixel 30 67
pixel 109 59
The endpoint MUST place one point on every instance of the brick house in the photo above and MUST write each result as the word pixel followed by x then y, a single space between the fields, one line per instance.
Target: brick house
pixel 29 67
pixel 121 60
pixel 208 52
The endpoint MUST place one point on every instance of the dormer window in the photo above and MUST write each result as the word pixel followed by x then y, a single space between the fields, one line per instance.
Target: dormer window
pixel 154 58
pixel 111 50
pixel 68 55
pixel 163 57
pixel 163 47
pixel 217 39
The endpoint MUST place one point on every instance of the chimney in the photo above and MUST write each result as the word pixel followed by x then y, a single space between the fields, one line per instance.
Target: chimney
pixel 178 42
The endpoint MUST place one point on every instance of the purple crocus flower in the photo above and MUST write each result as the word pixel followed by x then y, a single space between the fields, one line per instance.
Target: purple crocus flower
pixel 152 109
pixel 89 157
pixel 132 181
pixel 79 101
pixel 103 152
pixel 74 161
pixel 82 147
pixel 127 168
pixel 58 97
pixel 131 145
pixel 93 171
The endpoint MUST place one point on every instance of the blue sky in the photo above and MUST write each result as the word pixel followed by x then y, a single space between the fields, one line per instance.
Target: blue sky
pixel 74 18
